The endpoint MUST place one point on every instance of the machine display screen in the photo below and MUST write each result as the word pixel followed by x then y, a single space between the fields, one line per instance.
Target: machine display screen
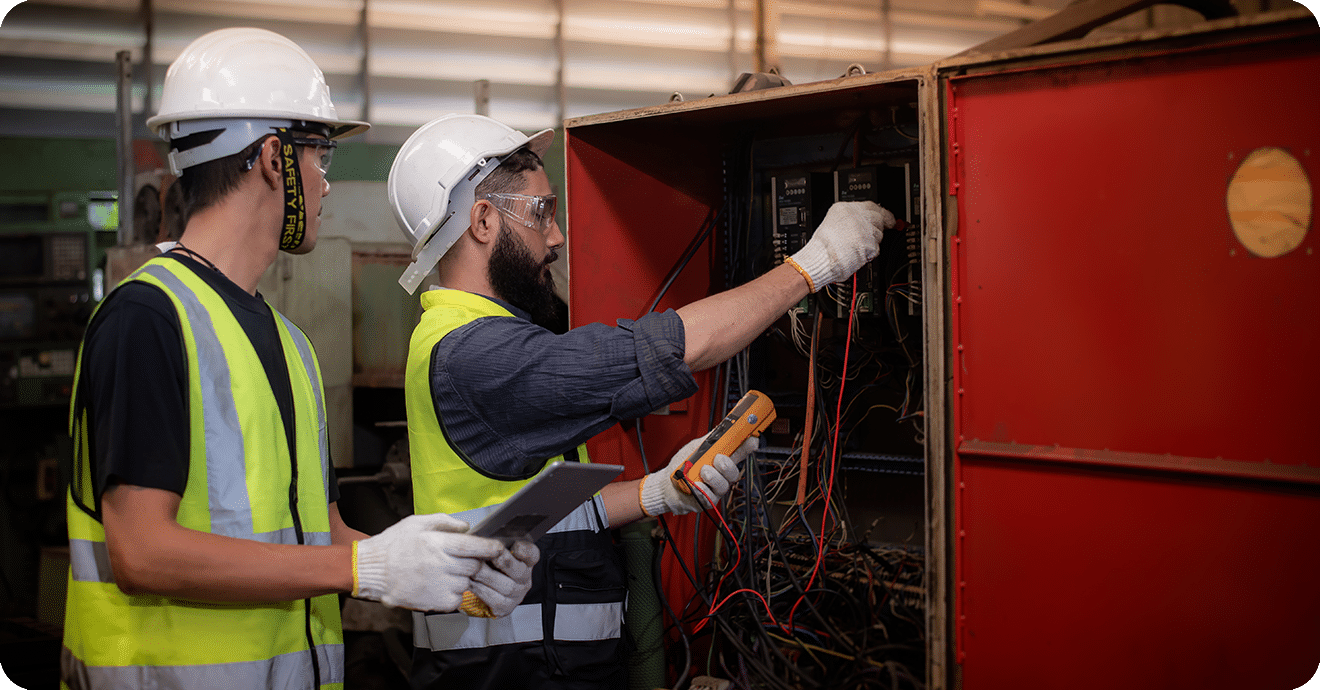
pixel 22 258
pixel 17 316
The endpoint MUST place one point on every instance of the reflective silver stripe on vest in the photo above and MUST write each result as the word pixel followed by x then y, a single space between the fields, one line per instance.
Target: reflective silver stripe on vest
pixel 231 512
pixel 289 671
pixel 322 435
pixel 289 536
pixel 573 623
pixel 89 561
pixel 230 508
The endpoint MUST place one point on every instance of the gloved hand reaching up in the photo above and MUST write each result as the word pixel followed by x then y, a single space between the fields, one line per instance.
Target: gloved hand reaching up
pixel 847 238
pixel 659 495
pixel 422 562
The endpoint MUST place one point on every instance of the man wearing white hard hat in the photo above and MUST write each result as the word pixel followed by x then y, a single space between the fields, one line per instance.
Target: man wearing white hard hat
pixel 493 397
pixel 206 545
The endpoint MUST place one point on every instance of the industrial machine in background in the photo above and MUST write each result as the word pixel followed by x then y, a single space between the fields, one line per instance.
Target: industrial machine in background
pixel 50 245
pixel 48 286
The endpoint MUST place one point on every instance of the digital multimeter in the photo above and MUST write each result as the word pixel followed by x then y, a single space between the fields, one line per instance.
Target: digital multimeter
pixel 752 415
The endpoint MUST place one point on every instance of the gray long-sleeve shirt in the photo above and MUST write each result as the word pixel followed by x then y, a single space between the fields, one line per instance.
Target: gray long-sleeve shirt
pixel 512 394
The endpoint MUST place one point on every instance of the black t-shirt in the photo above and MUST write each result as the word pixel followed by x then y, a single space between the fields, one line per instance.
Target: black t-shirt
pixel 135 380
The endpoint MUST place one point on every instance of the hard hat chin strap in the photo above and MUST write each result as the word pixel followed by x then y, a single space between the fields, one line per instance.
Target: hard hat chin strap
pixel 294 230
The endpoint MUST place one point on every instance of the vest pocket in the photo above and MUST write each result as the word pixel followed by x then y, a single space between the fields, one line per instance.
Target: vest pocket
pixel 588 572
pixel 586 577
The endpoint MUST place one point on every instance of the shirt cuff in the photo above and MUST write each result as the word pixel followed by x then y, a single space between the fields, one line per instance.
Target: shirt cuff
pixel 659 340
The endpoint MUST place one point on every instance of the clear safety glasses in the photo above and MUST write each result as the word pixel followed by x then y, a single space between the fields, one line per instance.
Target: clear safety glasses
pixel 532 211
pixel 325 152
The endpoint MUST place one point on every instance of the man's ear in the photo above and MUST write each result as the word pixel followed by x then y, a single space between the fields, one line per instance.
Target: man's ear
pixel 271 163
pixel 484 222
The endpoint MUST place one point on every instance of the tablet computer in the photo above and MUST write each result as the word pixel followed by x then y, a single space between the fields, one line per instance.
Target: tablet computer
pixel 545 500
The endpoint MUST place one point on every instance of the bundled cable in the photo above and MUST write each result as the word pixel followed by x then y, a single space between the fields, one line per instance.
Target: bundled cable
pixel 794 594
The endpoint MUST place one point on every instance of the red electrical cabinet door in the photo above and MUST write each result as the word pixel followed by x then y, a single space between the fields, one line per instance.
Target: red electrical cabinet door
pixel 1135 313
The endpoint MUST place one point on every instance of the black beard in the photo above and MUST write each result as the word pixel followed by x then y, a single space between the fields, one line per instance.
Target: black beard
pixel 519 279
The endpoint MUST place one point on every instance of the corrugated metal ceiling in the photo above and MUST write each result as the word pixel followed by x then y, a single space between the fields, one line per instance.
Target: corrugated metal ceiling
pixel 400 63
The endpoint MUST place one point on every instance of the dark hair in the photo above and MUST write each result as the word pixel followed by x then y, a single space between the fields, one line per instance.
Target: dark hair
pixel 508 176
pixel 205 184
pixel 173 213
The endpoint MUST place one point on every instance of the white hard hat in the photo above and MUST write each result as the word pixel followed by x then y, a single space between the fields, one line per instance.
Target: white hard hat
pixel 433 178
pixel 245 82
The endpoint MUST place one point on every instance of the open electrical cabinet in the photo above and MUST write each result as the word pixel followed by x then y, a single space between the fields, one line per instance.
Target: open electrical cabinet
pixel 1070 404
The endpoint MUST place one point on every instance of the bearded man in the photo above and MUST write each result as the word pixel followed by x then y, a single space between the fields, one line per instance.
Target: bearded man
pixel 493 397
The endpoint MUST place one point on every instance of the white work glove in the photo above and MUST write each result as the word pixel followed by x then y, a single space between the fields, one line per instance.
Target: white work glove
pixel 422 562
pixel 659 495
pixel 847 239
pixel 503 582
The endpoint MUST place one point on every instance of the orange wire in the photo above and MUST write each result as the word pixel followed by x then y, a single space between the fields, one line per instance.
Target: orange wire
pixel 834 456
pixel 811 408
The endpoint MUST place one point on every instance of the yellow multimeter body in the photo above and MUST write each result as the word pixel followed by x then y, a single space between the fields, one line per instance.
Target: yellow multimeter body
pixel 752 415
pixel 473 606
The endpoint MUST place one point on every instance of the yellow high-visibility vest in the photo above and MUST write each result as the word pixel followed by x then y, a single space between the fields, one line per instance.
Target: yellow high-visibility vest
pixel 443 482
pixel 239 477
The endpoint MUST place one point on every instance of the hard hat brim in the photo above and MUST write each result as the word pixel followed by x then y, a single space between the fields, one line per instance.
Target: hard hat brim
pixel 339 129
pixel 540 142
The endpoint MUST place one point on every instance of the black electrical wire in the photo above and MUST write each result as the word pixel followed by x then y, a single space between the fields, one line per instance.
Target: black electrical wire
pixel 714 398
pixel 851 604
pixel 712 219
pixel 811 606
pixel 749 656
pixel 656 579
pixel 669 539
pixel 722 621
pixel 851 575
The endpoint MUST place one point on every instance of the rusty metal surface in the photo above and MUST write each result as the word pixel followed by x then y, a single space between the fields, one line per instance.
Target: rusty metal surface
pixel 1078 18
pixel 774 102
pixel 1281 22
pixel 1093 579
pixel 1134 409
pixel 1104 299
pixel 384 316
pixel 313 290
pixel 1217 467
pixel 934 279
